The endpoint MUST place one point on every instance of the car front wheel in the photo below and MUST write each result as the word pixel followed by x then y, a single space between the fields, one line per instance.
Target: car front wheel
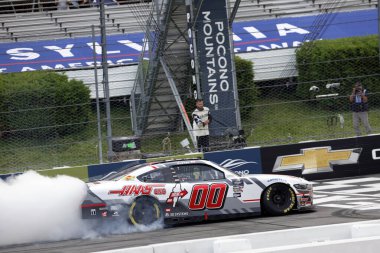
pixel 278 199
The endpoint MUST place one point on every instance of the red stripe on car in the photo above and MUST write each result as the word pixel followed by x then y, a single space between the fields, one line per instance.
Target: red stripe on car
pixel 93 205
pixel 251 200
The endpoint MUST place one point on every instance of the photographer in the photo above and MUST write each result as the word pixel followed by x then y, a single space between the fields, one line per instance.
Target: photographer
pixel 359 107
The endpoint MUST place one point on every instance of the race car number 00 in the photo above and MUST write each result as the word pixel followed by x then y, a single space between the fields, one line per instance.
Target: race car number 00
pixel 207 196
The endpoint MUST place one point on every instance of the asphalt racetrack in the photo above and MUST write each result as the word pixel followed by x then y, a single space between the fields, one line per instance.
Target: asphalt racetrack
pixel 337 201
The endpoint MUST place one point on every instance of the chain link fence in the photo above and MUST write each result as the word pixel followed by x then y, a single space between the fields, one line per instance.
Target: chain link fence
pixel 307 99
pixel 315 104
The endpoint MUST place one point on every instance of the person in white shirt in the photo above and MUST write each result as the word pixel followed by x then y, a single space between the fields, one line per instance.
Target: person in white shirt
pixel 201 120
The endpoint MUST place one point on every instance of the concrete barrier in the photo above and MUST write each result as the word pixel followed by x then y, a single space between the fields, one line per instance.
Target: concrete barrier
pixel 346 237
pixel 362 245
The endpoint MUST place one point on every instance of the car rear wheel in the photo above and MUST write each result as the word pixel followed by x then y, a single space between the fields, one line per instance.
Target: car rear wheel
pixel 145 211
pixel 278 199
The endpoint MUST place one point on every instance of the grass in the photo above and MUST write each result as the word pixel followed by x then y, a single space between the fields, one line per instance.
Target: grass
pixel 276 121
pixel 273 122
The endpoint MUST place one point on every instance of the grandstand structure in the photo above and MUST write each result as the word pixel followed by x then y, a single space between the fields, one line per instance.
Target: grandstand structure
pixel 57 24
pixel 33 22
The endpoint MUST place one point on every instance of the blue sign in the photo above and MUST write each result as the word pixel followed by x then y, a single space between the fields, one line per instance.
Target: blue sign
pixel 282 33
pixel 249 36
pixel 69 53
pixel 242 161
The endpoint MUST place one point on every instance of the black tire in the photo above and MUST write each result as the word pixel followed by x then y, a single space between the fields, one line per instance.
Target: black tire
pixel 145 211
pixel 278 199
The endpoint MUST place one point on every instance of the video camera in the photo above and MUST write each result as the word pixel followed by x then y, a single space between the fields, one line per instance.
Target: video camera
pixel 332 85
pixel 314 89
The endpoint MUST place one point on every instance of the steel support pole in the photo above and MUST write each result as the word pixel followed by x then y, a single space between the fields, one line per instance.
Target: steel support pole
pixel 106 89
pixel 177 97
pixel 100 148
pixel 233 67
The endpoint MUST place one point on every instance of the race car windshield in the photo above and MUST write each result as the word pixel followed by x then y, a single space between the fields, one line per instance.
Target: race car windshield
pixel 120 174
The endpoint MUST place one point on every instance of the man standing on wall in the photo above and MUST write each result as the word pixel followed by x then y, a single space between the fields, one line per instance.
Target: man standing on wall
pixel 201 119
pixel 359 107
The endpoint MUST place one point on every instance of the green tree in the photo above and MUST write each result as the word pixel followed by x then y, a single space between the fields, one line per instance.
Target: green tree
pixel 247 90
pixel 36 104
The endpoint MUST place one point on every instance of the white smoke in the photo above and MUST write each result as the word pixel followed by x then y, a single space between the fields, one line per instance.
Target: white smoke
pixel 38 208
pixel 100 228
pixel 35 208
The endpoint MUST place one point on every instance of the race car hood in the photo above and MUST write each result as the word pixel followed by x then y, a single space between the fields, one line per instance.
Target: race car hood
pixel 268 179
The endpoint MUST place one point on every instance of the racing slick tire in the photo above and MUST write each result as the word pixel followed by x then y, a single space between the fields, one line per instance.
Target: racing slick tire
pixel 145 211
pixel 278 199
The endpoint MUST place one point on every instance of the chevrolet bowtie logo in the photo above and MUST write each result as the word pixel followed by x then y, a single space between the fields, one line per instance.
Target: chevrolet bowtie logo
pixel 315 160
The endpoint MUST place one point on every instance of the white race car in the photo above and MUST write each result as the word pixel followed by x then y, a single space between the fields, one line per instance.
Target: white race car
pixel 182 191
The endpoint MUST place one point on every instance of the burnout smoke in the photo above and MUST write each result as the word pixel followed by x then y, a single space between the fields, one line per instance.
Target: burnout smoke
pixel 35 208
pixel 97 229
pixel 38 208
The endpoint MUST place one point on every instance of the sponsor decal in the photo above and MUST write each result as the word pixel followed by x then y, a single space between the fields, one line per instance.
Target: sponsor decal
pixel 115 214
pixel 129 178
pixel 302 203
pixel 316 160
pixel 133 190
pixel 237 195
pixel 276 180
pixel 234 163
pixel 93 212
pixel 185 162
pixel 104 214
pixel 115 208
pixel 176 194
pixel 242 172
pixel 177 214
pixel 237 182
pixel 159 191
pixel 305 199
pixel 376 154
pixel 238 188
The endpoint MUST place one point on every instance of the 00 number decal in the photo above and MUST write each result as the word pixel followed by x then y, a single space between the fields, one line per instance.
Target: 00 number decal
pixel 207 196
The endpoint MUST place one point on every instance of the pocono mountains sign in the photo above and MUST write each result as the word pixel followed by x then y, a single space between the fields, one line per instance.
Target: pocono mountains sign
pixel 124 49
pixel 211 59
